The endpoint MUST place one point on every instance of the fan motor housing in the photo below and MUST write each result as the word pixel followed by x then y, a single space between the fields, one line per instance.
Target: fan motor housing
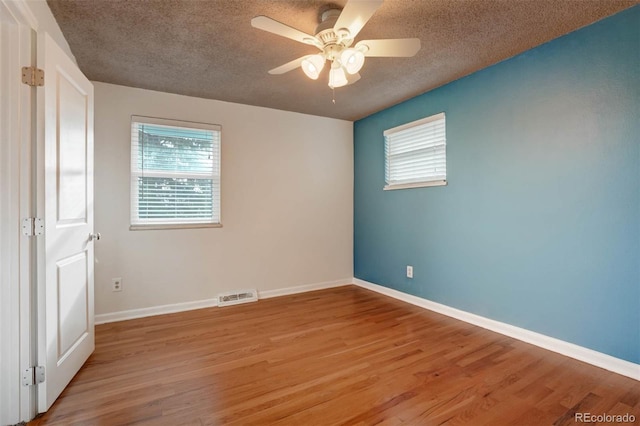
pixel 328 19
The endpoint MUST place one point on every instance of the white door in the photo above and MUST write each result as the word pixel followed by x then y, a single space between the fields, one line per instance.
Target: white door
pixel 65 201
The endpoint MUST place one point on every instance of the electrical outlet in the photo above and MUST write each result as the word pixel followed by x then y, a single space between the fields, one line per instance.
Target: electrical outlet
pixel 116 284
pixel 409 271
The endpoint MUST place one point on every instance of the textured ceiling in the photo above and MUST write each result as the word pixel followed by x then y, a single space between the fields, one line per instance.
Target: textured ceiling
pixel 208 49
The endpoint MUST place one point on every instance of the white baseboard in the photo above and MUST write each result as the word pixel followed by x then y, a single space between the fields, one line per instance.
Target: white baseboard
pixel 208 303
pixel 571 350
pixel 304 288
pixel 154 310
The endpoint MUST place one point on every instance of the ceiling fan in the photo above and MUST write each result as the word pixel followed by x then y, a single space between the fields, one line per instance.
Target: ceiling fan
pixel 333 37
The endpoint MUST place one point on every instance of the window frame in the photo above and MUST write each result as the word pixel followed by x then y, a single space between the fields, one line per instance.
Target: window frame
pixel 406 126
pixel 135 173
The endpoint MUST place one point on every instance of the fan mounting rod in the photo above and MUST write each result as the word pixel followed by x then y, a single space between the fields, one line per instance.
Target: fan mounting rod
pixel 328 35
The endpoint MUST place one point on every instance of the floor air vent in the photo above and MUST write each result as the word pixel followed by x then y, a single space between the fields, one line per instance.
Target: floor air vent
pixel 239 296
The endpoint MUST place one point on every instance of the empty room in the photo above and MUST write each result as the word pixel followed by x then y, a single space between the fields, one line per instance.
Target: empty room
pixel 319 212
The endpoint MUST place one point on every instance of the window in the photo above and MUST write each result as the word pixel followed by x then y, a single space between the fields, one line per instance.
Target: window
pixel 416 154
pixel 175 174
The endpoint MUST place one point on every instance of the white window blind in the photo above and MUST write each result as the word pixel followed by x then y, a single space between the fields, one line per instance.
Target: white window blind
pixel 416 154
pixel 175 173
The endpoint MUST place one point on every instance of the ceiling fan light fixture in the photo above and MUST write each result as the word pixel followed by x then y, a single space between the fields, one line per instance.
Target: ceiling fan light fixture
pixel 352 59
pixel 312 65
pixel 337 76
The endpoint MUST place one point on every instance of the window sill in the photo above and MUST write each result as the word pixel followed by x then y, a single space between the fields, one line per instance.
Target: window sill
pixel 149 227
pixel 415 185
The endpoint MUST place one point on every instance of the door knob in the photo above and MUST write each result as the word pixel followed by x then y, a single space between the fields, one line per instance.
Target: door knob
pixel 94 236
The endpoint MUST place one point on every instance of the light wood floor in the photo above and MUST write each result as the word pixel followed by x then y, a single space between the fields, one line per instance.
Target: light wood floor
pixel 338 356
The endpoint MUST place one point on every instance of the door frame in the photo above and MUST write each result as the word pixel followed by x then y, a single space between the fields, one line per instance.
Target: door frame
pixel 18 304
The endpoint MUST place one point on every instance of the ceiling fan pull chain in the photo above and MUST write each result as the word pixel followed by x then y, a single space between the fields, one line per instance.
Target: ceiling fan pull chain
pixel 333 95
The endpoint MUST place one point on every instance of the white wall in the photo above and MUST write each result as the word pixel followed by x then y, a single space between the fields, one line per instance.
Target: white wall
pixel 287 204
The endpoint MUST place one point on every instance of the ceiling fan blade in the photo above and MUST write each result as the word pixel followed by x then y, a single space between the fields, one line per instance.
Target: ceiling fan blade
pixel 265 23
pixel 398 47
pixel 355 14
pixel 288 66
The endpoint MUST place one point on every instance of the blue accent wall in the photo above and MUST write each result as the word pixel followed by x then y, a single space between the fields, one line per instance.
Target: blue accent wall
pixel 539 225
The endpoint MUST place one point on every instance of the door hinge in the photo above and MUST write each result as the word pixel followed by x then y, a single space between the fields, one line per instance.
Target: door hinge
pixel 32 226
pixel 33 376
pixel 33 76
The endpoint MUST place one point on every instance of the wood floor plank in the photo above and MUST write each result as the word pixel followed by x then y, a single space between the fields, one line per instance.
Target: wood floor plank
pixel 343 356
